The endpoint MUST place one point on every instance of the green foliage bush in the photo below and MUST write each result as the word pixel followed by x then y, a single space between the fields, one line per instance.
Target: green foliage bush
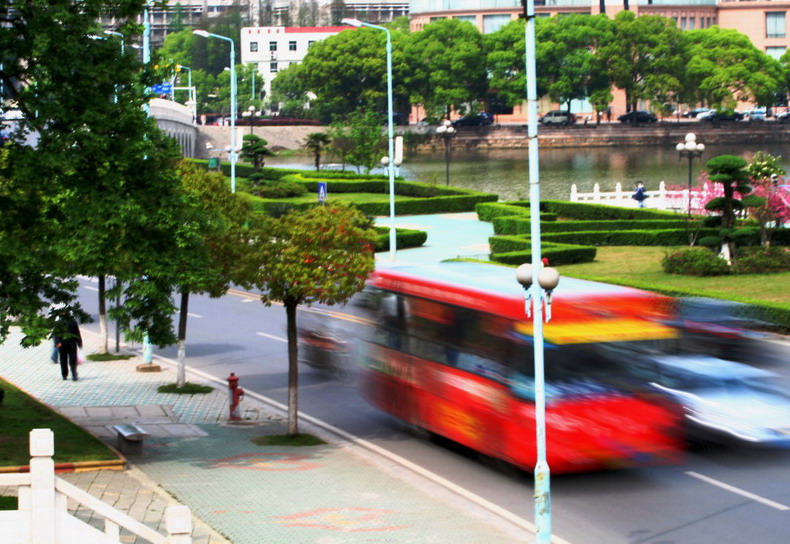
pixel 278 189
pixel 695 261
pixel 404 238
pixel 761 260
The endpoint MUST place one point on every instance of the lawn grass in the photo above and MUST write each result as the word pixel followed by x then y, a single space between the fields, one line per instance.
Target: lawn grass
pixel 187 389
pixel 641 266
pixel 20 413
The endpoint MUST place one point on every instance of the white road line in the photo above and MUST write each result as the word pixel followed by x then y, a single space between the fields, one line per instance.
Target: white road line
pixel 90 288
pixel 197 316
pixel 738 491
pixel 272 336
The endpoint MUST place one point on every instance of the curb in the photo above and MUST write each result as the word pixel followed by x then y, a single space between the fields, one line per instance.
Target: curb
pixel 79 466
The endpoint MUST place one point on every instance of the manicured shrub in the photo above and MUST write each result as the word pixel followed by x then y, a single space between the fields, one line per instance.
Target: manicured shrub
pixel 280 189
pixel 761 260
pixel 695 261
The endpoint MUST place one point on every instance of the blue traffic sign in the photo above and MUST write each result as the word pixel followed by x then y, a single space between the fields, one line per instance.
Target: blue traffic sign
pixel 321 191
pixel 163 88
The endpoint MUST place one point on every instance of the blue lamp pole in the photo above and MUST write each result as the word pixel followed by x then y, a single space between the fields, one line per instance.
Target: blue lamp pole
pixel 232 155
pixel 535 288
pixel 390 129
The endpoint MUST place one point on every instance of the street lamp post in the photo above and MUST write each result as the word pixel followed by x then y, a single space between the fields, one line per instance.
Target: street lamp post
pixel 446 131
pixel 232 155
pixel 390 129
pixel 542 491
pixel 690 149
pixel 252 114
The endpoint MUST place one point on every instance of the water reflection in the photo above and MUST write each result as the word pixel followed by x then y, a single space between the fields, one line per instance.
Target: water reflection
pixel 504 171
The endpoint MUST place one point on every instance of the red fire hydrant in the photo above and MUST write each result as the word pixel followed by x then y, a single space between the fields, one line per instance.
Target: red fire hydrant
pixel 236 393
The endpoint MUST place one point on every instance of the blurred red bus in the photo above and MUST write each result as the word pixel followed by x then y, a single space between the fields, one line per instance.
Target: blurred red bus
pixel 452 353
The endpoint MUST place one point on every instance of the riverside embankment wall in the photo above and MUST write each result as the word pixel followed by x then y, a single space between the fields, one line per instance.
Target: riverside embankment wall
pixel 423 138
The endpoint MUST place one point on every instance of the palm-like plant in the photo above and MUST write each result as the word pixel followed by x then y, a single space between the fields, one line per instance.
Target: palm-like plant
pixel 315 143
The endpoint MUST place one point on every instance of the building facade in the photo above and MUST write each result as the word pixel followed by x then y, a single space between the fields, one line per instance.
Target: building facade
pixel 763 21
pixel 274 48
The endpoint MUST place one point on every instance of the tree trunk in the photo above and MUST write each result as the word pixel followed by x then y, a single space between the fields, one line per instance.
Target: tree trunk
pixel 182 339
pixel 293 369
pixel 103 333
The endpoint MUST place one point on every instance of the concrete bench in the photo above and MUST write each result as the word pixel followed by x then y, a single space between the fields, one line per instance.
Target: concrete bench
pixel 130 438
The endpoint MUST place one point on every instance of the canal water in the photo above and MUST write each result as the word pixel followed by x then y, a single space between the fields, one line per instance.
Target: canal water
pixel 504 172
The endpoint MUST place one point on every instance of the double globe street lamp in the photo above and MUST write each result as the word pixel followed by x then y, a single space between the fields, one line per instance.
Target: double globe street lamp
pixel 690 149
pixel 446 130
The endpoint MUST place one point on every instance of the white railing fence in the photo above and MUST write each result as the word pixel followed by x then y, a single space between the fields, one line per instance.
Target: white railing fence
pixel 42 516
pixel 662 199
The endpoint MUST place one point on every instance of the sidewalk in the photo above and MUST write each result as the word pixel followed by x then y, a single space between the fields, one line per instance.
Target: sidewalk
pixel 338 492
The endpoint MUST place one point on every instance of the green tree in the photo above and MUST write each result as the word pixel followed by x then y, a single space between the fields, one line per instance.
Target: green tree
pixel 645 58
pixel 289 94
pixel 447 66
pixel 211 244
pixel 568 54
pixel 730 171
pixel 179 47
pixel 345 72
pixel 363 130
pixel 106 200
pixel 255 150
pixel 316 142
pixel 321 255
pixel 725 67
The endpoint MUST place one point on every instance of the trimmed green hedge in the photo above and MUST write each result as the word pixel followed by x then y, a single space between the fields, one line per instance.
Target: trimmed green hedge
pixel 520 225
pixel 404 238
pixel 597 212
pixel 557 254
pixel 664 237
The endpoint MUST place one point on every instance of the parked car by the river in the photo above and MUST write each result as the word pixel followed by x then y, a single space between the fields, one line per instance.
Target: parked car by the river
pixel 756 114
pixel 474 120
pixel 637 116
pixel 558 117
pixel 720 115
pixel 692 114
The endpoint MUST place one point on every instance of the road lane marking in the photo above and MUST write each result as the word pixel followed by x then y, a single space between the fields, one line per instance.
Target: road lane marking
pixel 197 316
pixel 738 491
pixel 251 297
pixel 272 336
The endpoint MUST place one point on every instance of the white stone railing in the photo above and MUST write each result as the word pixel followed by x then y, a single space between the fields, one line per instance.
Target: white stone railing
pixel 42 516
pixel 662 199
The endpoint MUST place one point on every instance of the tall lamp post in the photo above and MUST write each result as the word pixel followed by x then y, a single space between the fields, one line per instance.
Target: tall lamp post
pixel 232 155
pixel 542 490
pixel 390 129
pixel 252 114
pixel 690 149
pixel 446 131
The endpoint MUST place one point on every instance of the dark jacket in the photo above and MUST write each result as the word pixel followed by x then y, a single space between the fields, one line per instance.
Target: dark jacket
pixel 69 335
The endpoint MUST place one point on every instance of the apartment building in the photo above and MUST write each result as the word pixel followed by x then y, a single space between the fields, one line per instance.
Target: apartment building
pixel 274 48
pixel 763 21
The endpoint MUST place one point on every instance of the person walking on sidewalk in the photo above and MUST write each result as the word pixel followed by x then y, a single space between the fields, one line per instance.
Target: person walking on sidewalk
pixel 68 339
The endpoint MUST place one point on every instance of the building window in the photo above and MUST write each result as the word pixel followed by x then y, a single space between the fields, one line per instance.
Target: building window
pixel 775 24
pixel 310 43
pixel 492 23
pixel 682 23
pixel 775 52
pixel 253 47
pixel 692 22
pixel 291 46
pixel 468 18
pixel 273 67
pixel 272 46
